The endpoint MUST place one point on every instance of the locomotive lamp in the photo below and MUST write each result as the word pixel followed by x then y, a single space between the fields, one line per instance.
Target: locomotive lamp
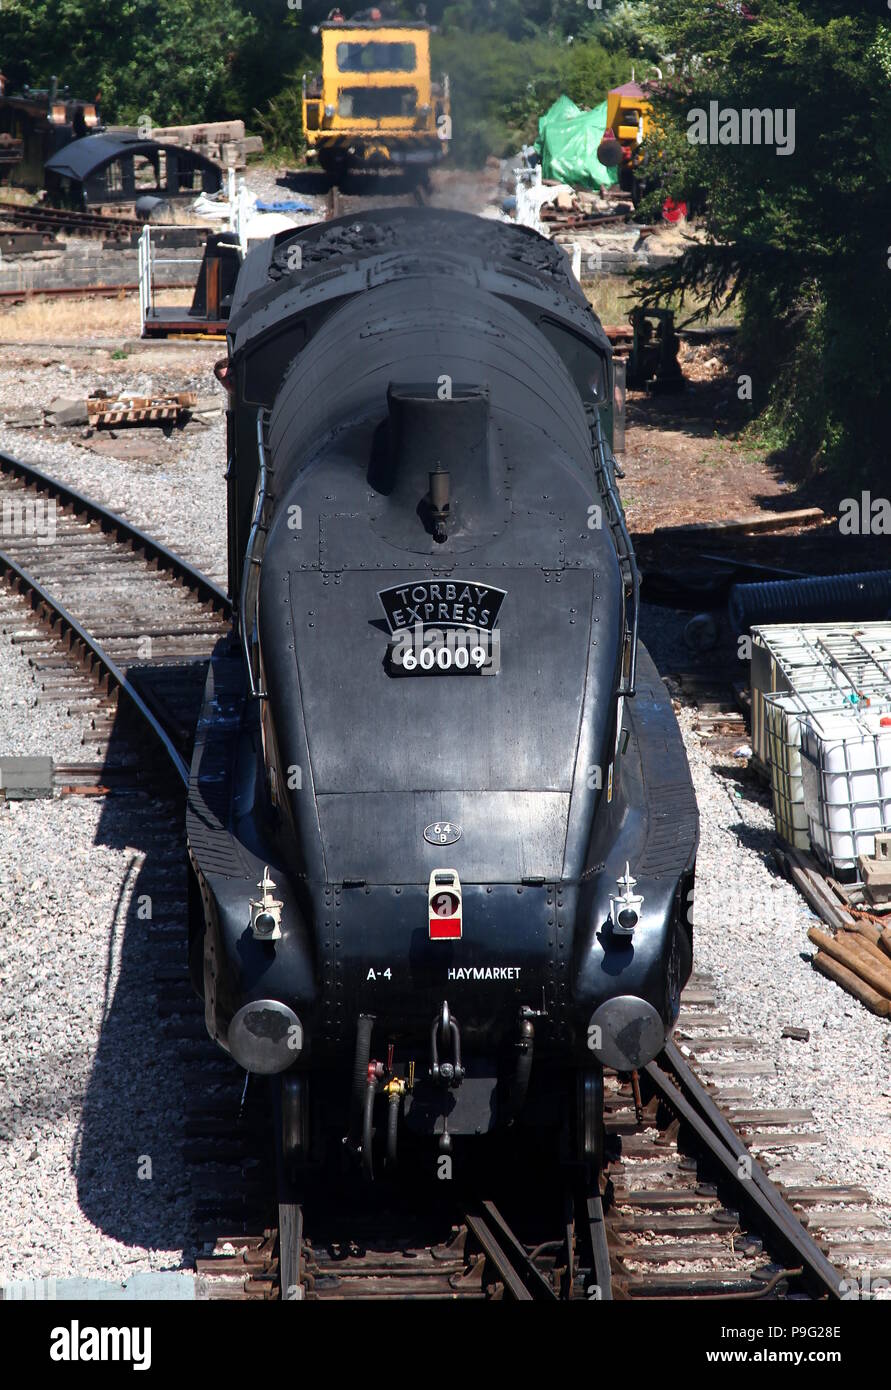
pixel 444 905
pixel 266 911
pixel 625 906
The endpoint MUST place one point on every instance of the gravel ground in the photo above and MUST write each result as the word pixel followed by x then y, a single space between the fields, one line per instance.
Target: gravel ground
pixel 29 730
pixel 83 1059
pixel 750 935
pixel 180 494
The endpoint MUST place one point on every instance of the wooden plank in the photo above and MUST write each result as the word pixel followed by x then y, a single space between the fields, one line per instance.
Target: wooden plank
pixel 856 959
pixel 743 1067
pixel 688 1020
pixel 687 1223
pixel 697 1285
pixel 698 996
pixel 654 1199
pixel 760 521
pixel 771 1117
pixel 870 998
pixel 764 1139
pixel 823 1196
pixel 846 1221
pixel 818 896
pixel 868 1249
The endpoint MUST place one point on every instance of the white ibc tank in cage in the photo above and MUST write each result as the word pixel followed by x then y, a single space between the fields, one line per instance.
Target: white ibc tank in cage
pixel 846 779
pixel 785 717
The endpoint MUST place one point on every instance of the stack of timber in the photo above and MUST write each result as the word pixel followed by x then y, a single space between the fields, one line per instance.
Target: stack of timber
pixel 223 141
pixel 857 954
pixel 103 411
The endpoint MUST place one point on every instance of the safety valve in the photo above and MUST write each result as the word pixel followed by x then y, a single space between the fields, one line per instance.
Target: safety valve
pixel 266 911
pixel 625 906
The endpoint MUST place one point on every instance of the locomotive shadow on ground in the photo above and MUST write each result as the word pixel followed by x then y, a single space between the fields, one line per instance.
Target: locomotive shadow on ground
pixel 130 1109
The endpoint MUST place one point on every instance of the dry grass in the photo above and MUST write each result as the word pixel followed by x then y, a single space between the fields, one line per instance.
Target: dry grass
pixel 609 298
pixel 612 297
pixel 70 316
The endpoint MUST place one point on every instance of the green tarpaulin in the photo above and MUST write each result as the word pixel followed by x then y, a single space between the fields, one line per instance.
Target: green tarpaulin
pixel 567 142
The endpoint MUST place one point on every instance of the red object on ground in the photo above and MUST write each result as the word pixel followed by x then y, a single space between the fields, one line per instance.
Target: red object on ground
pixel 672 211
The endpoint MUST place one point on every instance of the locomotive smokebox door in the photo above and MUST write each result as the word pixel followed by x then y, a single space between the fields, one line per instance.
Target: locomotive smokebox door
pixel 444 905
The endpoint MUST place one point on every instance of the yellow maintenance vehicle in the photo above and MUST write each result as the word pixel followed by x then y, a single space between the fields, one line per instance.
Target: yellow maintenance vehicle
pixel 629 120
pixel 374 105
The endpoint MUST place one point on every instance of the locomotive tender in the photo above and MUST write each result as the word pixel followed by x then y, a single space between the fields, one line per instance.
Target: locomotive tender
pixel 443 860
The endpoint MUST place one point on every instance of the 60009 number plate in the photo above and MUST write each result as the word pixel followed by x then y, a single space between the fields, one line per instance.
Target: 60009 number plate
pixel 431 651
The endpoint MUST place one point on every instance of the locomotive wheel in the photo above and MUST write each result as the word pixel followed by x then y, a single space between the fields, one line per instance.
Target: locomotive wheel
pixel 295 1119
pixel 589 1119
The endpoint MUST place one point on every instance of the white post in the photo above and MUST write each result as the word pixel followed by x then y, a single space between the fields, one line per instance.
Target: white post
pixel 144 262
pixel 230 194
pixel 242 216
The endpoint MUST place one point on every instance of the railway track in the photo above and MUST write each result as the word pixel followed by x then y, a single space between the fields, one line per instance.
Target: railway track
pixel 109 618
pixel 684 1209
pixel 74 222
pixel 340 203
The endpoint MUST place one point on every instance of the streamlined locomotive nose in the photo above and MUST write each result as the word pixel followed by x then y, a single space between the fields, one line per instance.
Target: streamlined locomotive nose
pixel 442 854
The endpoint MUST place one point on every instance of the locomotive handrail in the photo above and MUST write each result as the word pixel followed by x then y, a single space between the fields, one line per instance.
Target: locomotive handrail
pixel 250 576
pixel 624 550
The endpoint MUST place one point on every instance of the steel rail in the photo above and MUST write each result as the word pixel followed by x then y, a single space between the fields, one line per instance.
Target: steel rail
pixel 691 1102
pixel 38 596
pixel 38 214
pixel 84 291
pixel 522 1279
pixel 77 502
pixel 601 1269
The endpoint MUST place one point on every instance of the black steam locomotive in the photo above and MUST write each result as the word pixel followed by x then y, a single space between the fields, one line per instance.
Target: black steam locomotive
pixel 443 861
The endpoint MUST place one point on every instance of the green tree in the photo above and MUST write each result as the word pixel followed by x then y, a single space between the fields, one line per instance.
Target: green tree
pixel 167 59
pixel 801 238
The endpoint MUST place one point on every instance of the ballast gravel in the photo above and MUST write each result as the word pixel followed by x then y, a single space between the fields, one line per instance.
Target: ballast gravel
pixel 750 935
pixel 91 1170
pixel 179 494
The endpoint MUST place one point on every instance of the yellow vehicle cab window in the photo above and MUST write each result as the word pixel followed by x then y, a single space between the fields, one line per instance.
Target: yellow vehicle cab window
pixel 375 103
pixel 376 57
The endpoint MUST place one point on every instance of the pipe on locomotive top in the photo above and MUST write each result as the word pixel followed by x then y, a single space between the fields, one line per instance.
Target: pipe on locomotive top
pixel 627 683
pixel 252 562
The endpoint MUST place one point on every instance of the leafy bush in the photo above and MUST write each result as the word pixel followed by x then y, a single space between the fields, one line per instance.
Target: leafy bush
pixel 165 59
pixel 801 238
pixel 281 123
